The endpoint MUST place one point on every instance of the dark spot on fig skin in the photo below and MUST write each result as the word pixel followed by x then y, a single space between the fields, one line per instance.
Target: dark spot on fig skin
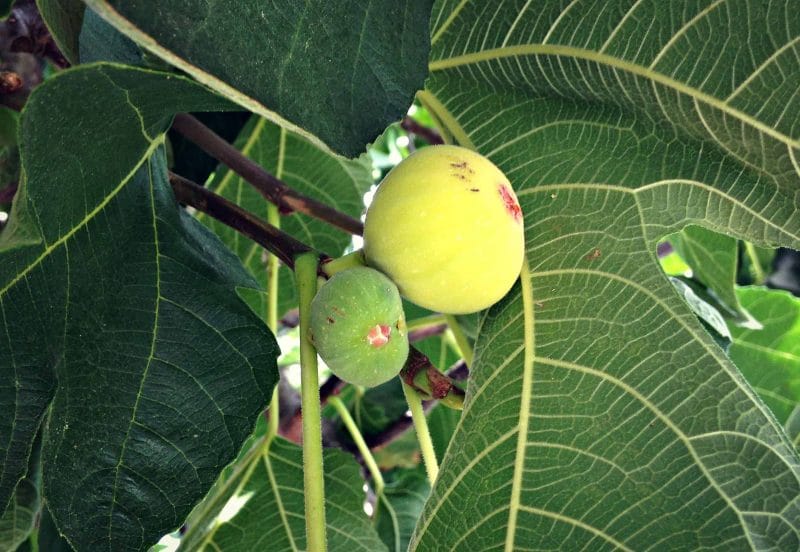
pixel 330 320
pixel 338 311
pixel 463 165
pixel 474 189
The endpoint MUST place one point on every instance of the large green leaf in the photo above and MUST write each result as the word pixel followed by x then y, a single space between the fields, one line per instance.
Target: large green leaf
pixel 19 519
pixel 770 357
pixel 338 182
pixel 600 414
pixel 130 305
pixel 260 507
pixel 340 71
pixel 50 540
pixel 100 41
pixel 64 19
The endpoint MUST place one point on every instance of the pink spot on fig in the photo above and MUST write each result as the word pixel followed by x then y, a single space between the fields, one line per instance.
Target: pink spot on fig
pixel 510 202
pixel 379 335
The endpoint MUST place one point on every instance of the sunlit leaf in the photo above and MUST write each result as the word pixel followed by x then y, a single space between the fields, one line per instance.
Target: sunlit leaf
pixel 600 415
pixel 261 506
pixel 770 357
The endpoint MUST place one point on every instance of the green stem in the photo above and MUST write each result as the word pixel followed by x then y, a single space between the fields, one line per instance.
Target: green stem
pixel 306 279
pixel 358 439
pixel 358 391
pixel 273 217
pixel 758 273
pixel 423 434
pixel 444 132
pixel 426 322
pixel 356 258
pixel 464 346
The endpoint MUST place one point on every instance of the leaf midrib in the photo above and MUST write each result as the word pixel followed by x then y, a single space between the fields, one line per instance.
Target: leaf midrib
pixel 611 61
pixel 150 356
pixel 83 222
pixel 524 403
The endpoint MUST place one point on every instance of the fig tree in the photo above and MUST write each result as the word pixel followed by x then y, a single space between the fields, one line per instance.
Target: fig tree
pixel 358 326
pixel 446 227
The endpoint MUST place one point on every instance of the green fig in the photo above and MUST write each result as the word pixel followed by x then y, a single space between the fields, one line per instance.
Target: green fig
pixel 358 326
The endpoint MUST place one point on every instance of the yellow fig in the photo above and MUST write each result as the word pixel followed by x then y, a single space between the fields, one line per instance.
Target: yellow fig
pixel 446 227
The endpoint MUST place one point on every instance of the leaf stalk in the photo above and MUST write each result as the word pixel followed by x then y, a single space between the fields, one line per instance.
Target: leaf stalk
pixel 306 280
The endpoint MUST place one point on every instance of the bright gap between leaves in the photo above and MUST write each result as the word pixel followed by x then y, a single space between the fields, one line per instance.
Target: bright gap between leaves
pixel 232 507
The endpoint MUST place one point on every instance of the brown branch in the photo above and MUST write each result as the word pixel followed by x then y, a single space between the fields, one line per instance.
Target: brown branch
pixel 7 193
pixel 428 134
pixel 425 333
pixel 420 373
pixel 26 32
pixel 280 244
pixel 273 189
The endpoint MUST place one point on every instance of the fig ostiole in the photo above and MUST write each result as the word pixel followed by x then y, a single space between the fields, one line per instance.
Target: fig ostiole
pixel 358 326
pixel 446 227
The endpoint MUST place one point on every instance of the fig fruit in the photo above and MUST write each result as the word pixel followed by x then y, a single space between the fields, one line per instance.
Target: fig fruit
pixel 446 227
pixel 358 326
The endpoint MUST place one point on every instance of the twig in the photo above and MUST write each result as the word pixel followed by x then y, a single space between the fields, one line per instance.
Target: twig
pixel 426 332
pixel 281 244
pixel 458 372
pixel 420 374
pixel 428 134
pixel 273 189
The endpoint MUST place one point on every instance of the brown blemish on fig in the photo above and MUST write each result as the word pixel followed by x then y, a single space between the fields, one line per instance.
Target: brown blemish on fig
pixel 330 320
pixel 474 189
pixel 338 311
pixel 510 202
pixel 595 254
pixel 378 335
pixel 464 166
pixel 462 170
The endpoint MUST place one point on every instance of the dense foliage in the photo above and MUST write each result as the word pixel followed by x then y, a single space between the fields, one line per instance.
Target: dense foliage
pixel 638 387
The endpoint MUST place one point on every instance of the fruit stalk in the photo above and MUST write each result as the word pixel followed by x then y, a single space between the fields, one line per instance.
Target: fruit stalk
pixel 305 267
pixel 464 346
pixel 358 439
pixel 351 260
pixel 423 434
